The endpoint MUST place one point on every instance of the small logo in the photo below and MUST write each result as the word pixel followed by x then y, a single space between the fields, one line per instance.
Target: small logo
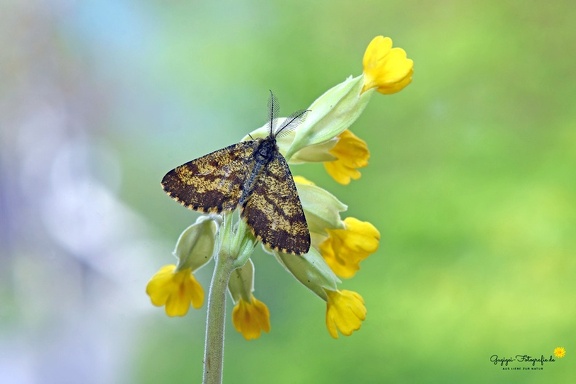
pixel 525 362
pixel 559 352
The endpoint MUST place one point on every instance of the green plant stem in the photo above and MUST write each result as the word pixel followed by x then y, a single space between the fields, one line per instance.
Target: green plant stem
pixel 214 347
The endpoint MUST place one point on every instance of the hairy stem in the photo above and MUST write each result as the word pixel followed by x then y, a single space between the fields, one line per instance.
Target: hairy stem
pixel 214 347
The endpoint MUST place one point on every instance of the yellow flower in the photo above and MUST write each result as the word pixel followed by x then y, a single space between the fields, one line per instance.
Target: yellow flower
pixel 385 68
pixel 344 249
pixel 175 289
pixel 250 318
pixel 559 352
pixel 345 312
pixel 351 153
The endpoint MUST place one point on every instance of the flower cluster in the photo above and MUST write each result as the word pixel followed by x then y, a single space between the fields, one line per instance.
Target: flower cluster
pixel 338 245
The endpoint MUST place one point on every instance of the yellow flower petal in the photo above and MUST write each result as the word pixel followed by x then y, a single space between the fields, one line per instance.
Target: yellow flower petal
pixel 251 318
pixel 351 153
pixel 385 68
pixel 345 312
pixel 155 286
pixel 344 249
pixel 175 289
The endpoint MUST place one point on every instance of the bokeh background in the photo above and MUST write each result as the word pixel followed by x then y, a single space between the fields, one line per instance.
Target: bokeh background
pixel 471 182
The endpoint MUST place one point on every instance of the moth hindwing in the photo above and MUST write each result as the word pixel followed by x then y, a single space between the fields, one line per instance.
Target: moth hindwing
pixel 254 176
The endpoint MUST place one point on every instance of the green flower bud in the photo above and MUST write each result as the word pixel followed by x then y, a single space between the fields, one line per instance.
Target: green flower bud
pixel 311 270
pixel 331 114
pixel 195 246
pixel 241 284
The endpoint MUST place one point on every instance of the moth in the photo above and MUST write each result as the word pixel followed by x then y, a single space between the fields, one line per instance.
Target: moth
pixel 254 176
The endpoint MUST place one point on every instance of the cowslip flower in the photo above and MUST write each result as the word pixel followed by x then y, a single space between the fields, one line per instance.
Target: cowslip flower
pixel 174 286
pixel 386 69
pixel 350 153
pixel 175 289
pixel 344 249
pixel 250 316
pixel 338 246
pixel 345 312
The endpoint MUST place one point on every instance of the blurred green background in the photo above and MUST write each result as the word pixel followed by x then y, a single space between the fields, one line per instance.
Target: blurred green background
pixel 471 183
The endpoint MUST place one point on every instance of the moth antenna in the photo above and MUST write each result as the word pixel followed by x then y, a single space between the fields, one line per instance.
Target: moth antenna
pixel 273 107
pixel 292 121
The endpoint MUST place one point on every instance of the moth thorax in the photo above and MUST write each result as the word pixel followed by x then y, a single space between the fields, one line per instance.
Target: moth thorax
pixel 266 150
